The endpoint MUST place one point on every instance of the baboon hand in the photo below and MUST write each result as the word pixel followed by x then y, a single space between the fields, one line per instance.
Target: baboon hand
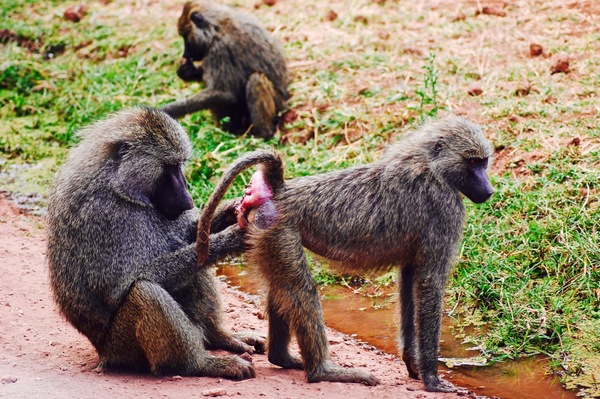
pixel 188 72
pixel 244 342
pixel 258 342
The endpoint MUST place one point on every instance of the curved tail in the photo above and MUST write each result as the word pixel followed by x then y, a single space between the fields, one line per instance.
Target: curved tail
pixel 273 172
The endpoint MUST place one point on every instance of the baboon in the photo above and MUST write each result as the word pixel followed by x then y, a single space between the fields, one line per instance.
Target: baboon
pixel 404 210
pixel 243 69
pixel 122 257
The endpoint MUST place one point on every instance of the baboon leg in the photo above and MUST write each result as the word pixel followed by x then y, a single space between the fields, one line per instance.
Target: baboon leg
pixel 279 340
pixel 294 302
pixel 205 99
pixel 429 298
pixel 201 302
pixel 233 118
pixel 260 98
pixel 151 328
pixel 407 320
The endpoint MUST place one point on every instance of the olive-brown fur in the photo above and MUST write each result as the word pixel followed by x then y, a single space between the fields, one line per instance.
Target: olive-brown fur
pixel 403 211
pixel 243 69
pixel 121 252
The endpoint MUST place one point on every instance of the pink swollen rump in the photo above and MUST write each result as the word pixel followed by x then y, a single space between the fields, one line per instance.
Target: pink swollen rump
pixel 258 193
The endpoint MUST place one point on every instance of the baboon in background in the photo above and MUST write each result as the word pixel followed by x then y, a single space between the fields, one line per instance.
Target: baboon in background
pixel 404 211
pixel 243 69
pixel 122 257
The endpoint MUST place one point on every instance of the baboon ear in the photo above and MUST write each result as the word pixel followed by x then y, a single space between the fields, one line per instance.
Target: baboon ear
pixel 198 19
pixel 437 148
pixel 119 149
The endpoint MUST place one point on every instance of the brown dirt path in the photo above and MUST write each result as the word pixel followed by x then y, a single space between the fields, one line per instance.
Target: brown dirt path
pixel 41 356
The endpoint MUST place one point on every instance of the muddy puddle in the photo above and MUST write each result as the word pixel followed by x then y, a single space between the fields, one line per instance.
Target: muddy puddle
pixel 356 315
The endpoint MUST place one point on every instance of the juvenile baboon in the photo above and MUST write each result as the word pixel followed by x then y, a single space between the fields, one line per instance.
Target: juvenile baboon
pixel 121 251
pixel 404 211
pixel 243 69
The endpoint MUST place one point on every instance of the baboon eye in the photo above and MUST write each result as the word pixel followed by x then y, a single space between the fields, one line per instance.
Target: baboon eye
pixel 477 161
pixel 120 149
pixel 197 19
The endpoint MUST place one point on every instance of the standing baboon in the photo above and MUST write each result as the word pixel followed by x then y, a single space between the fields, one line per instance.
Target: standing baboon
pixel 404 211
pixel 243 69
pixel 121 251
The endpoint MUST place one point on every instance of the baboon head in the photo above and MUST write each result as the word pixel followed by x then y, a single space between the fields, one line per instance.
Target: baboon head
pixel 461 154
pixel 140 153
pixel 197 27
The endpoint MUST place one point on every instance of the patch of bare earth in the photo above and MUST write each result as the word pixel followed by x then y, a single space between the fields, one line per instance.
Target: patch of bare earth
pixel 41 356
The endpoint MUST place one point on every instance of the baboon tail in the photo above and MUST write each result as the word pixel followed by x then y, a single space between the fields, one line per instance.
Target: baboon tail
pixel 273 172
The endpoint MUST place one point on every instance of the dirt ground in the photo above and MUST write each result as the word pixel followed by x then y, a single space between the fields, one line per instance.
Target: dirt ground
pixel 42 356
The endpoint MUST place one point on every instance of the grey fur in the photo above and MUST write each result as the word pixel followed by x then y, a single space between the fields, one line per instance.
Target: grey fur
pixel 243 69
pixel 123 273
pixel 403 211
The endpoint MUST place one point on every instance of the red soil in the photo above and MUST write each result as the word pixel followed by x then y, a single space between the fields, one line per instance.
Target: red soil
pixel 42 356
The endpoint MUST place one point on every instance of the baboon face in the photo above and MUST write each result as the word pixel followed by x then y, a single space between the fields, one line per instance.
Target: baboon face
pixel 476 185
pixel 197 32
pixel 145 163
pixel 462 155
pixel 170 196
pixel 149 179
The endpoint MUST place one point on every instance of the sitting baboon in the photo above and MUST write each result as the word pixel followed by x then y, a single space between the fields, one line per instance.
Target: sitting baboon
pixel 243 69
pixel 122 257
pixel 404 211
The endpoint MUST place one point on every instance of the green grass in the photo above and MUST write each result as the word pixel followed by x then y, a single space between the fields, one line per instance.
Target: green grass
pixel 528 268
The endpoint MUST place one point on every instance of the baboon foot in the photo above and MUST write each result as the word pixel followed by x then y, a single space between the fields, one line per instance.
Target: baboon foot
pixel 434 384
pixel 333 373
pixel 286 361
pixel 101 366
pixel 257 341
pixel 238 343
pixel 232 367
pixel 411 365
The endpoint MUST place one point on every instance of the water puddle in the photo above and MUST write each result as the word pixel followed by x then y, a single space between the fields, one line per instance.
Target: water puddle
pixel 355 315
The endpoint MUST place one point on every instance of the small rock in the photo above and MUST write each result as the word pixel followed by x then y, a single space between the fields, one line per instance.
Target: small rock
pixel 259 315
pixel 75 13
pixel 214 392
pixel 561 65
pixel 331 16
pixel 9 380
pixel 461 16
pixel 361 19
pixel 523 89
pixel 489 10
pixel 475 90
pixel 269 3
pixel 536 49
pixel 576 141
pixel 413 51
